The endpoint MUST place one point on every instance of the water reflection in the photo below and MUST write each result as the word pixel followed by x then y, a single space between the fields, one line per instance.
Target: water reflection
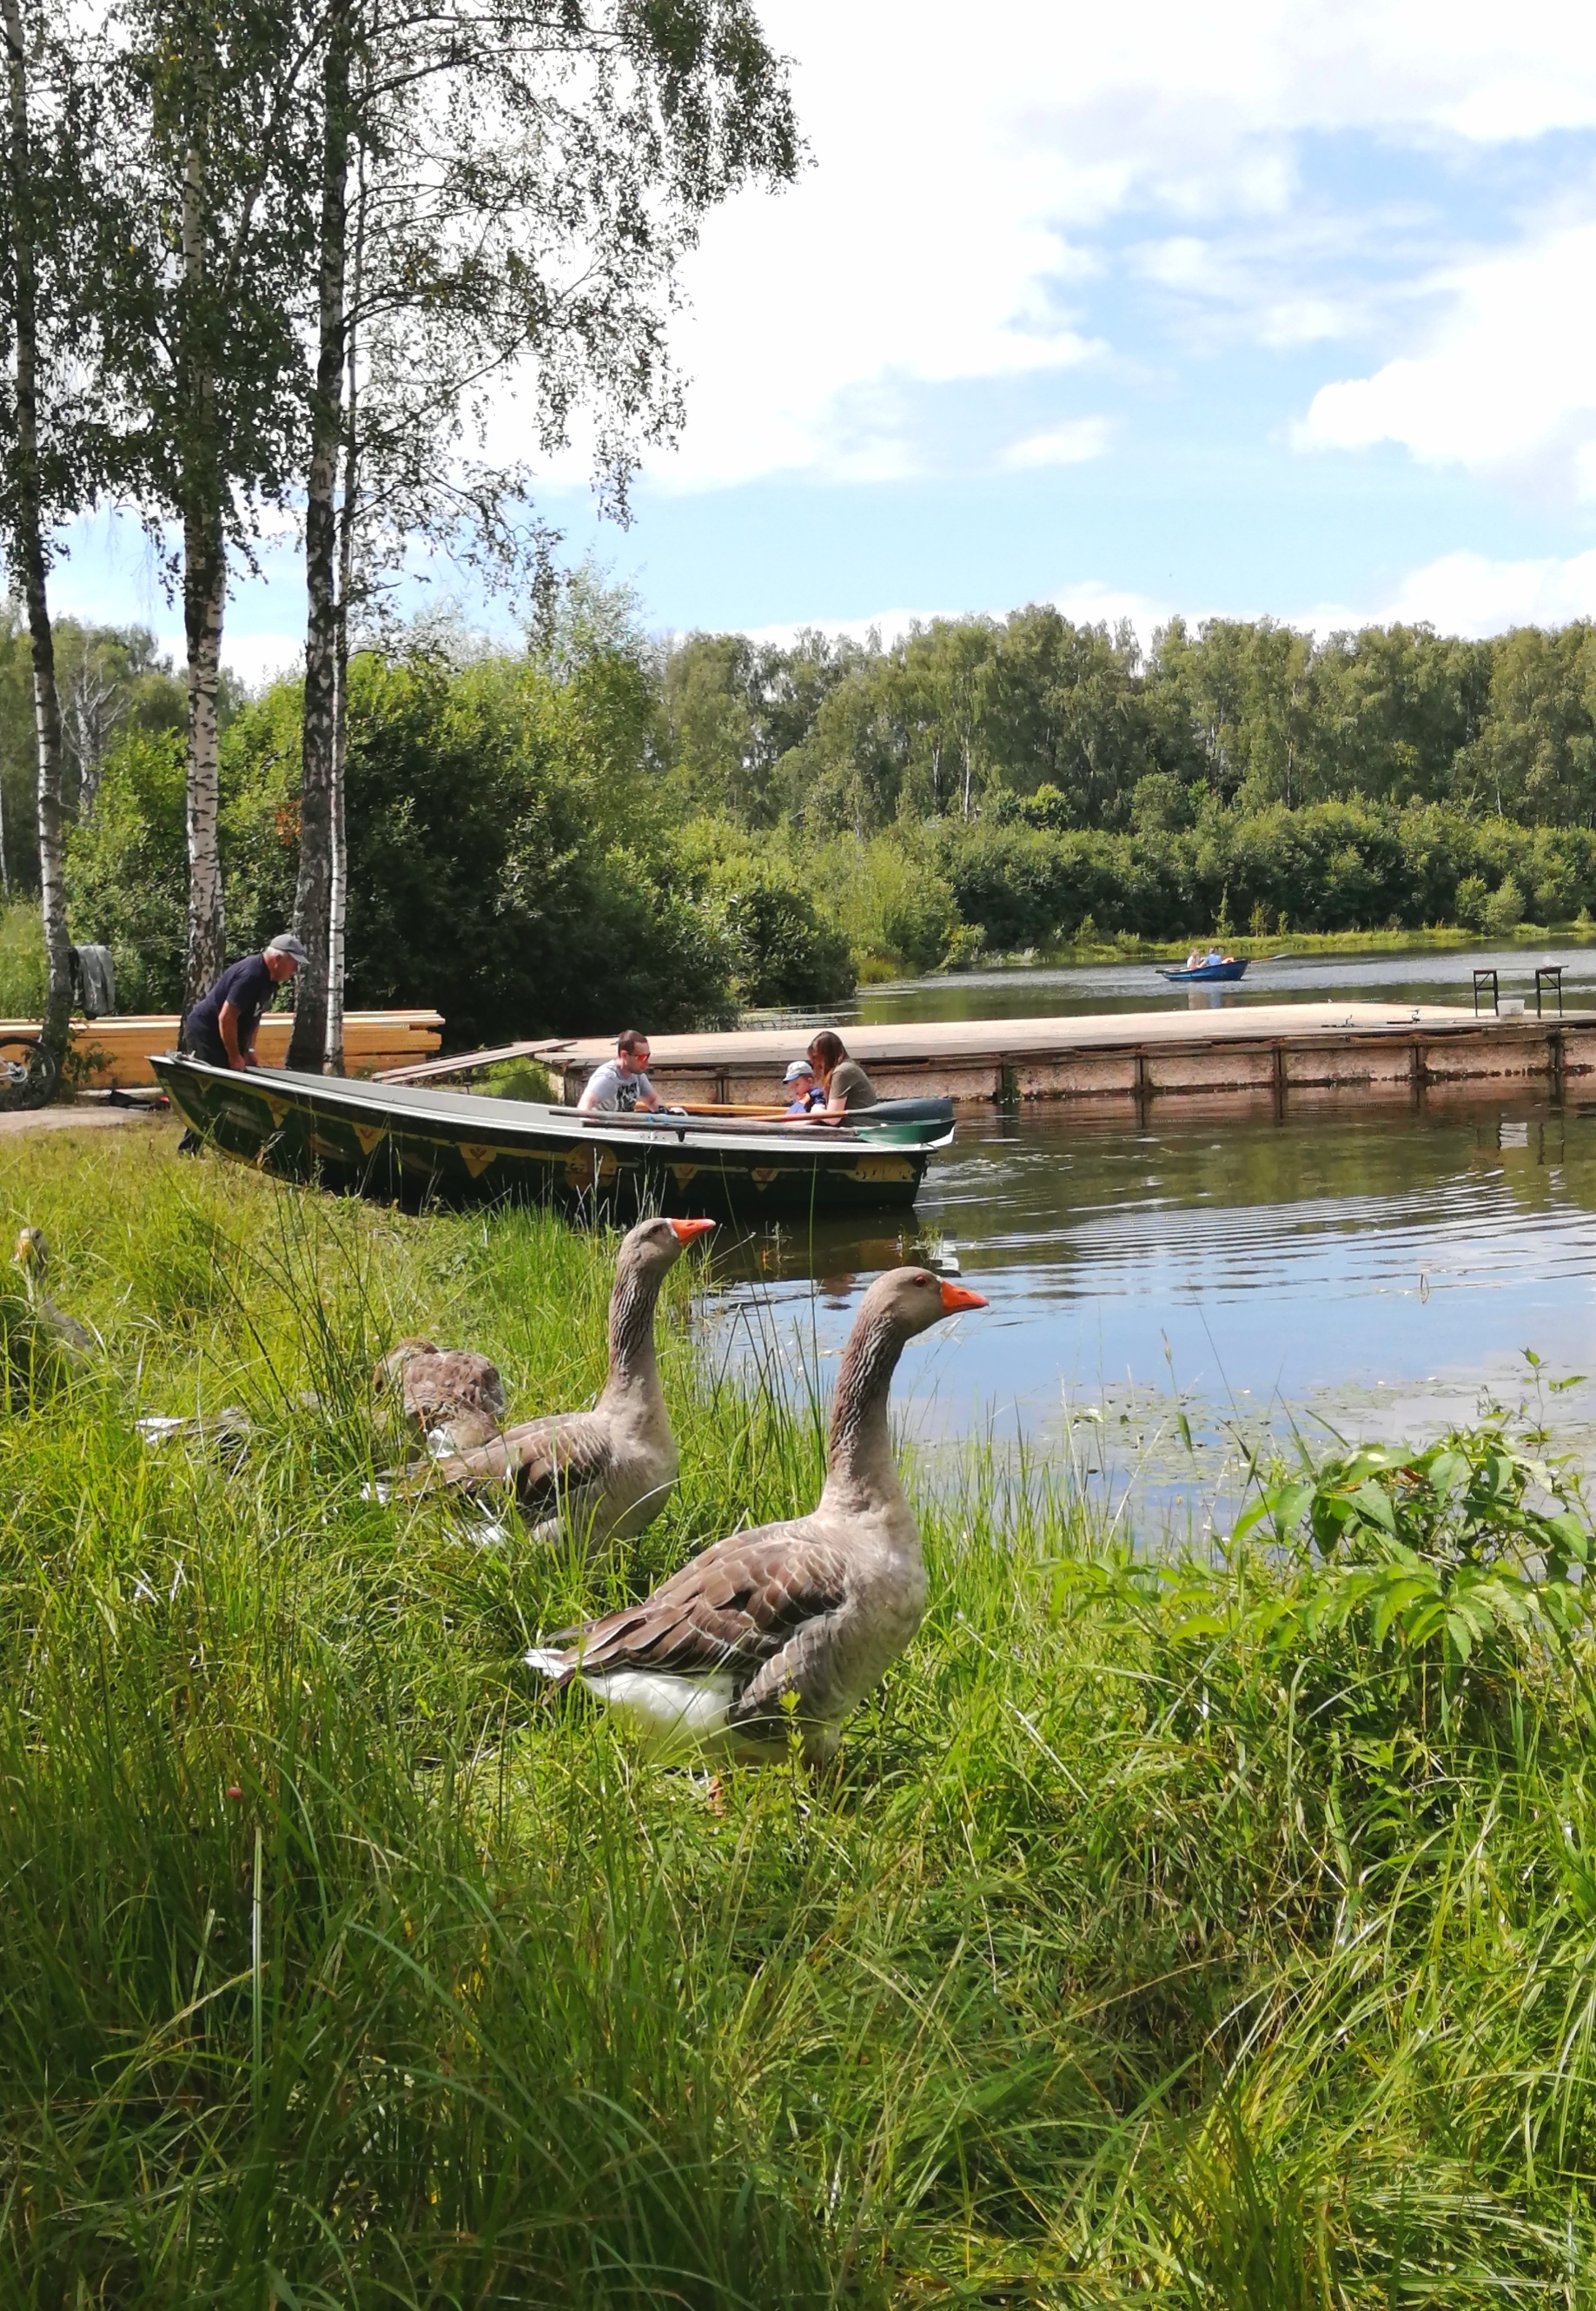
pixel 1370 1268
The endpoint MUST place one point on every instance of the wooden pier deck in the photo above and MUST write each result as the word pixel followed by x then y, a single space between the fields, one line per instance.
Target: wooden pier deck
pixel 1340 1050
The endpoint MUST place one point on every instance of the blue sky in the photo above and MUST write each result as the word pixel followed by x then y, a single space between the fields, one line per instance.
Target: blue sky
pixel 1218 308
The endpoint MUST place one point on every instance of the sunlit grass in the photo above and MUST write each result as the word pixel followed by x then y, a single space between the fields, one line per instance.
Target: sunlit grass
pixel 1121 1963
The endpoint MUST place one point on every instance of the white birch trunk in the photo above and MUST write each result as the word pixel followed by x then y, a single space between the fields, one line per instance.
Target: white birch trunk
pixel 205 591
pixel 313 898
pixel 27 541
pixel 205 599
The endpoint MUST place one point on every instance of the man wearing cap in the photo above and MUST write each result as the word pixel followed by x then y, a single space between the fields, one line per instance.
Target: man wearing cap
pixel 221 1029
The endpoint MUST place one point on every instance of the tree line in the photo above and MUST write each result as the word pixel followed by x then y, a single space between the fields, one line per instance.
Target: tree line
pixel 281 263
pixel 961 719
pixel 601 826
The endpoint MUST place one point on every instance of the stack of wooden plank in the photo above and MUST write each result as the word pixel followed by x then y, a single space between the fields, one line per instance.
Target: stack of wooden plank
pixel 108 1053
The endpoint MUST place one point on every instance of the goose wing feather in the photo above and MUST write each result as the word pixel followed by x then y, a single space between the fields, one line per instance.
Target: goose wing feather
pixel 545 1459
pixel 736 1606
pixel 449 1380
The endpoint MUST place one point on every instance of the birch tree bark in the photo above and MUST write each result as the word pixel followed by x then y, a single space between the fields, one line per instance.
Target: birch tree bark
pixel 205 598
pixel 27 542
pixel 313 900
pixel 348 515
pixel 205 595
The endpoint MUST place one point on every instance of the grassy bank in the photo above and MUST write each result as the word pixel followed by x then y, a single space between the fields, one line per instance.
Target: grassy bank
pixel 1163 1938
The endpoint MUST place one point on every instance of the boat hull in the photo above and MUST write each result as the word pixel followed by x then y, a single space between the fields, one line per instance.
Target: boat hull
pixel 457 1150
pixel 1212 974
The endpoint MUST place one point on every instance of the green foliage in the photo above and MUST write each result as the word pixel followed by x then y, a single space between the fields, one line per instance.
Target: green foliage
pixel 127 870
pixel 892 900
pixel 1440 1558
pixel 509 863
pixel 783 951
pixel 23 973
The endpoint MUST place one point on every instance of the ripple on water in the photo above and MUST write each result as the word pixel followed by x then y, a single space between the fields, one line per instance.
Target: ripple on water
pixel 1374 1267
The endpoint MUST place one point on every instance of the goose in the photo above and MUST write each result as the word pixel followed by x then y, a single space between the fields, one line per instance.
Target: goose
pixel 32 1257
pixel 451 1398
pixel 604 1474
pixel 817 1608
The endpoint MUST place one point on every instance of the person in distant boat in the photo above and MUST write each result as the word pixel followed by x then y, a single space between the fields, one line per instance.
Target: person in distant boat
pixel 844 1082
pixel 1194 960
pixel 801 1081
pixel 221 1027
pixel 620 1085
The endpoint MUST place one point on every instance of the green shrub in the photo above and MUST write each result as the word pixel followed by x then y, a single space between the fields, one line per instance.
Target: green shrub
pixel 23 976
pixel 1504 909
pixel 891 898
pixel 128 870
pixel 784 951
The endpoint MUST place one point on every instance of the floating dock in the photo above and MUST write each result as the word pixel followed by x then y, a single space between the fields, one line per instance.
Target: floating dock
pixel 1273 1050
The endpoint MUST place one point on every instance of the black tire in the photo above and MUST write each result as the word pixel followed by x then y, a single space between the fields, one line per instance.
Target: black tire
pixel 28 1073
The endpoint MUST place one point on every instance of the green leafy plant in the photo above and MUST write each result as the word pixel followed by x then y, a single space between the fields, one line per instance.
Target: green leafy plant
pixel 1452 1555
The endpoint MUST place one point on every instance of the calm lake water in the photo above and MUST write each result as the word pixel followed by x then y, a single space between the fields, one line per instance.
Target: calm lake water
pixel 1370 1270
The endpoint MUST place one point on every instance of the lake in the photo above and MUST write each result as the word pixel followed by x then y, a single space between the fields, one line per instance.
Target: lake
pixel 1370 1272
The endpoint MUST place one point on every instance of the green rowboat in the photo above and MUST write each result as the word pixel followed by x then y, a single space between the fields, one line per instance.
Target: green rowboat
pixel 413 1146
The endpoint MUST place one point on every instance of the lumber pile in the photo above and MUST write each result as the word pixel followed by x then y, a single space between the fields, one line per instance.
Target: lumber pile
pixel 115 1053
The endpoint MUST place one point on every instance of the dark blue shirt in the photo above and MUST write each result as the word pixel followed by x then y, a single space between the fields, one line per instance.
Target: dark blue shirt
pixel 247 986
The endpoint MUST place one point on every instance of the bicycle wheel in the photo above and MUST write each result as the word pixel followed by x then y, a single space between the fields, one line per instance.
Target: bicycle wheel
pixel 28 1072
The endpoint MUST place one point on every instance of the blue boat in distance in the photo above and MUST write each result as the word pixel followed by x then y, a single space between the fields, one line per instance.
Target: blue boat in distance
pixel 1211 974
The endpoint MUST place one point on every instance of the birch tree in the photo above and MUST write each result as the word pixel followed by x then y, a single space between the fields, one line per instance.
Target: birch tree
pixel 530 175
pixel 215 107
pixel 43 477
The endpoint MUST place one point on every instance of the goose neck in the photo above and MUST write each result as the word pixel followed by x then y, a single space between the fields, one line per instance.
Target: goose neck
pixel 859 1459
pixel 632 1364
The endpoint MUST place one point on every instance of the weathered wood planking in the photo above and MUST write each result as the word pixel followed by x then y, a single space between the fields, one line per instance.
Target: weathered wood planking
pixel 1264 1051
pixel 116 1052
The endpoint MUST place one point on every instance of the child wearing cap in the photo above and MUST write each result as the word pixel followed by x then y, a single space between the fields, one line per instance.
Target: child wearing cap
pixel 800 1079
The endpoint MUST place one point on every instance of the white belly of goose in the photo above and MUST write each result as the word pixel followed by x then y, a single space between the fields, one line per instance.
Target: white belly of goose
pixel 671 1716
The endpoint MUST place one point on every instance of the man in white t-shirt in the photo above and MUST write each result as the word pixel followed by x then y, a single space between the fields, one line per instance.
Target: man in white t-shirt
pixel 622 1083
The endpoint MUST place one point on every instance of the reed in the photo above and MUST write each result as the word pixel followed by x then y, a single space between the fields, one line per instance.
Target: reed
pixel 1154 1943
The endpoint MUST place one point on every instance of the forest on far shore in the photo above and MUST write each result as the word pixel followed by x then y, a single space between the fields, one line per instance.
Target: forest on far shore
pixel 603 825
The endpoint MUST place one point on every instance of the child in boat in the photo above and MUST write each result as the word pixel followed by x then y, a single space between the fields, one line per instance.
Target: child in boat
pixel 806 1092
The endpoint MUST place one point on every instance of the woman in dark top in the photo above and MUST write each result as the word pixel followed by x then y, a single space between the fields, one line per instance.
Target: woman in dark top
pixel 844 1082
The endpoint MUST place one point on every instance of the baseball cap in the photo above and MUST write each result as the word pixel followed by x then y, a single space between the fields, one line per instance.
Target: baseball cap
pixel 798 1067
pixel 286 943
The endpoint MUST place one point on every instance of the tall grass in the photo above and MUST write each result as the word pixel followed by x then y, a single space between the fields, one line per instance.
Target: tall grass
pixel 1126 1960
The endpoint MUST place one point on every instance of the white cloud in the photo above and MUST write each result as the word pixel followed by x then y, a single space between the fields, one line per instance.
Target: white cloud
pixel 1075 443
pixel 1506 382
pixel 1467 593
pixel 962 182
pixel 1092 603
pixel 256 658
pixel 1461 593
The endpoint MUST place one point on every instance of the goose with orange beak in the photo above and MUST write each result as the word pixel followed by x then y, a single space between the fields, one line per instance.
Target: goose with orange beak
pixel 603 1474
pixel 790 1626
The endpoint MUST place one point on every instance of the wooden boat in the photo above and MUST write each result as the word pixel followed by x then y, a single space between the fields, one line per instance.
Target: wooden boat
pixel 420 1146
pixel 1214 974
